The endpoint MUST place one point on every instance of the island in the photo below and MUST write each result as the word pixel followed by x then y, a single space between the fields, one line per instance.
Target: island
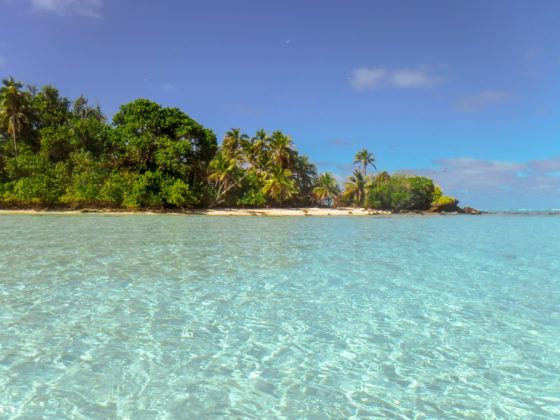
pixel 64 155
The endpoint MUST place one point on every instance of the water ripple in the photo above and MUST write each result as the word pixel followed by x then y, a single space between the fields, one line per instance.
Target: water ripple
pixel 172 316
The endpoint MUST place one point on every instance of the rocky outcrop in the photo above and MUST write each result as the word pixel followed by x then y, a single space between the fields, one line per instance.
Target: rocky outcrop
pixel 449 206
pixel 470 210
pixel 453 208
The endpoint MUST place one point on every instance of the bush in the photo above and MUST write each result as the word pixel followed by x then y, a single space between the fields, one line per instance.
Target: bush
pixel 251 198
pixel 250 194
pixel 86 181
pixel 146 191
pixel 116 188
pixel 400 193
pixel 179 194
pixel 40 189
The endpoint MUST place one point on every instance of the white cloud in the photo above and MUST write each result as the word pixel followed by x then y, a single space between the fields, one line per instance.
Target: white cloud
pixel 413 79
pixel 488 183
pixel 364 78
pixel 369 78
pixel 88 8
pixel 482 100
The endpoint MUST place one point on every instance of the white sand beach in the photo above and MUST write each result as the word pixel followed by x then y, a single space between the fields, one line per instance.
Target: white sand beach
pixel 302 211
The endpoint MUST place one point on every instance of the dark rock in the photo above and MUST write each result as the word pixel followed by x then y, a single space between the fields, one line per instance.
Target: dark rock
pixel 470 210
pixel 452 207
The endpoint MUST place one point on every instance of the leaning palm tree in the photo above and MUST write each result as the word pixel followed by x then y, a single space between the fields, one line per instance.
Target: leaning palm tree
pixel 365 158
pixel 326 189
pixel 355 188
pixel 224 174
pixel 279 184
pixel 13 102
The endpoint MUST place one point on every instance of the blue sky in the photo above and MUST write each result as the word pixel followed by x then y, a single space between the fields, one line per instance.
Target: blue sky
pixel 465 92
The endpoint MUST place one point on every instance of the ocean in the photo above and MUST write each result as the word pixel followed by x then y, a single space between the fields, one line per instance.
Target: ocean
pixel 175 316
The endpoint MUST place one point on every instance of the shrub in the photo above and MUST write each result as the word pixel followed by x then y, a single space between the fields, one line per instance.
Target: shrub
pixel 117 186
pixel 400 193
pixel 179 194
pixel 86 181
pixel 250 193
pixel 40 189
pixel 146 191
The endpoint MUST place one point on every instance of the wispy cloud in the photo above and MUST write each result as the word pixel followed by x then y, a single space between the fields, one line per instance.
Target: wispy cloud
pixel 87 8
pixel 487 181
pixel 370 78
pixel 546 166
pixel 168 87
pixel 483 100
pixel 2 60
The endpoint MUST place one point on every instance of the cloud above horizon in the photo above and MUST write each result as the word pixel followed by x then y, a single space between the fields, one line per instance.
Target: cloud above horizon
pixel 2 60
pixel 536 181
pixel 371 78
pixel 86 8
pixel 483 100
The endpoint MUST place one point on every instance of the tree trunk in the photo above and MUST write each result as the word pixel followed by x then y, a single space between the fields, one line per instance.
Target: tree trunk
pixel 14 133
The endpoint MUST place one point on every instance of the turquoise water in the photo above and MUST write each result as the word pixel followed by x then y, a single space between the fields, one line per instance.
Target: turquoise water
pixel 192 316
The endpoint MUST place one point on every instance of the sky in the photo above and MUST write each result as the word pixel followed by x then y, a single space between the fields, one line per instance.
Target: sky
pixel 467 93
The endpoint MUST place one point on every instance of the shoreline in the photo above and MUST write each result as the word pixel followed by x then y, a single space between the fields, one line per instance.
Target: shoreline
pixel 292 211
pixel 266 212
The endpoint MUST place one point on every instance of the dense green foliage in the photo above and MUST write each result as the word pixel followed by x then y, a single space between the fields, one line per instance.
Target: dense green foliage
pixel 399 193
pixel 55 152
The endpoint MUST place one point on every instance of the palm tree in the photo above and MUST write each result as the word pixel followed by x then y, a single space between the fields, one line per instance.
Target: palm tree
pixel 224 175
pixel 253 151
pixel 326 188
pixel 233 141
pixel 279 184
pixel 365 158
pixel 355 187
pixel 281 149
pixel 13 102
pixel 261 135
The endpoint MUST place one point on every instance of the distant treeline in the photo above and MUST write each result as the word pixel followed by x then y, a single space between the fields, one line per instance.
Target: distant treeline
pixel 55 152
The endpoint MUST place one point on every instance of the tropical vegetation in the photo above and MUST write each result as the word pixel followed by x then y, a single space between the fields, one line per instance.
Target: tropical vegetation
pixel 57 152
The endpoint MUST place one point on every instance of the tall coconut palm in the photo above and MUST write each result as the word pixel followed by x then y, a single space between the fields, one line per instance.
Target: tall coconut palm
pixel 355 188
pixel 261 137
pixel 233 141
pixel 13 102
pixel 326 188
pixel 279 184
pixel 260 151
pixel 281 149
pixel 365 158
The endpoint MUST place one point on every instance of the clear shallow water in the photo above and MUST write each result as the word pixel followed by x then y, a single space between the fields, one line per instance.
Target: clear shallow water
pixel 189 316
